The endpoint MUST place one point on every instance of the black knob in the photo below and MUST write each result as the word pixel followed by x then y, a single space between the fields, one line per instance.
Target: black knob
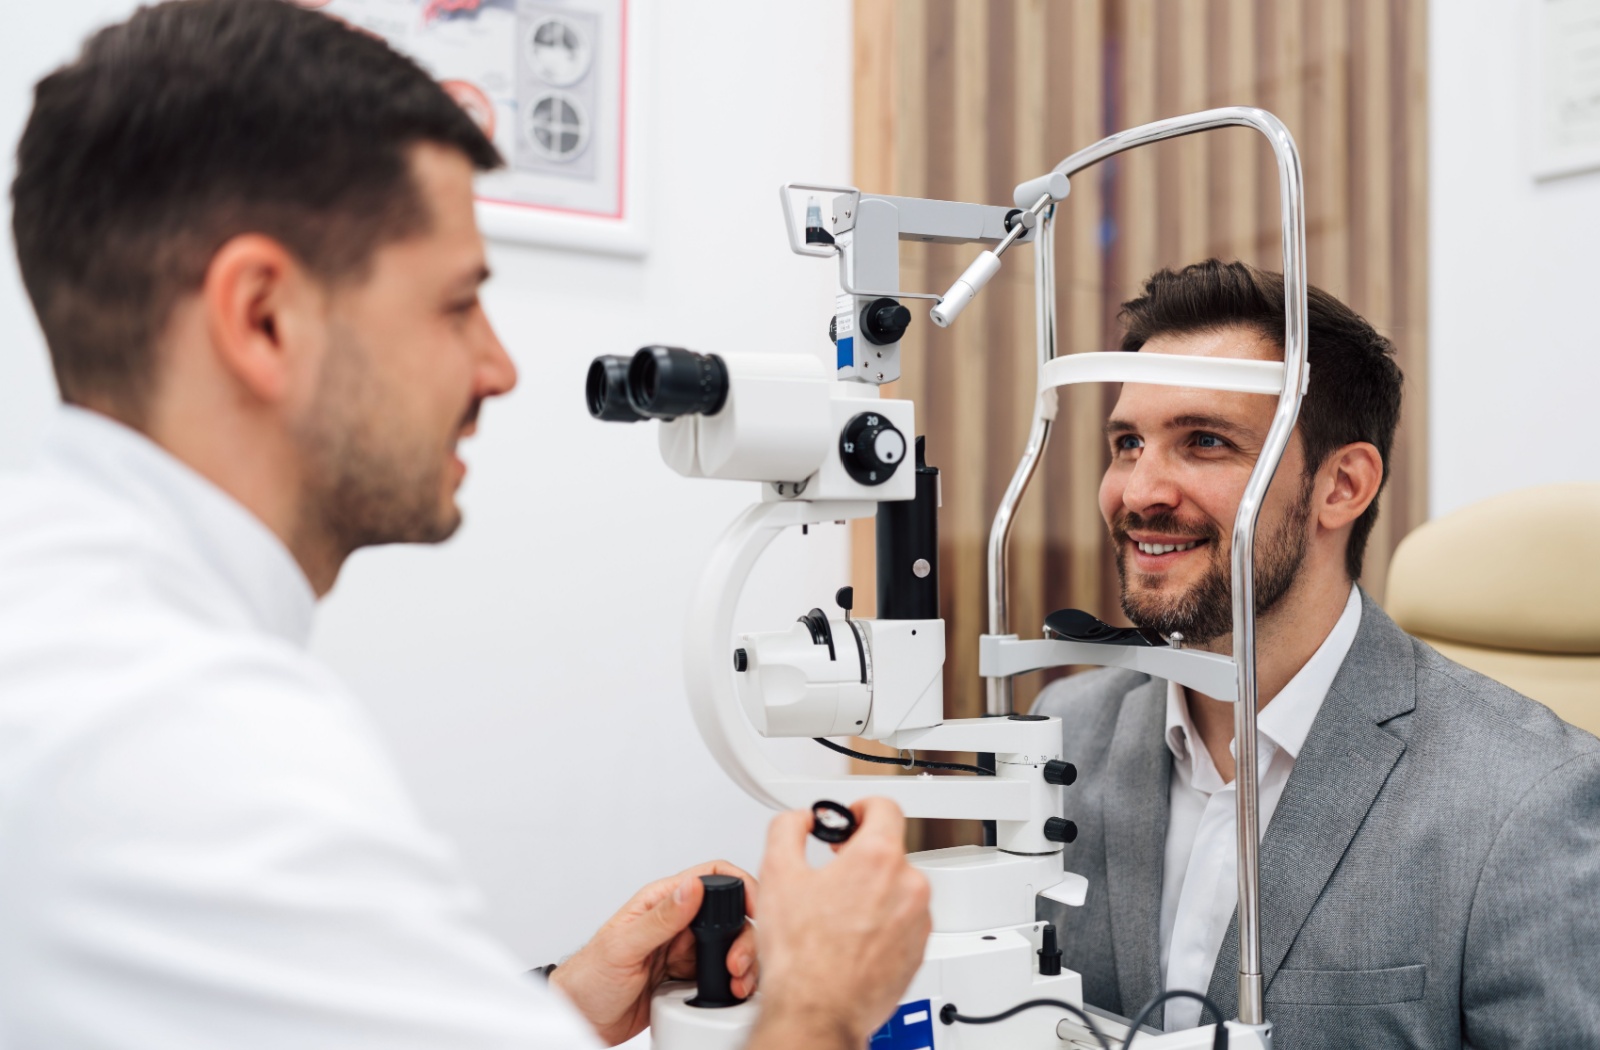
pixel 833 330
pixel 1059 772
pixel 715 927
pixel 845 597
pixel 1049 953
pixel 1060 829
pixel 871 448
pixel 741 660
pixel 884 321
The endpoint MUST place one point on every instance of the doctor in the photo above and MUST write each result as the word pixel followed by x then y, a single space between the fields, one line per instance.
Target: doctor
pixel 248 234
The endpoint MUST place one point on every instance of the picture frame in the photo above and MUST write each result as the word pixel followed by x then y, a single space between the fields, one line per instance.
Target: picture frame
pixel 560 87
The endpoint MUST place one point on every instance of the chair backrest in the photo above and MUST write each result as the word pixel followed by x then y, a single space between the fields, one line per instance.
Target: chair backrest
pixel 1510 587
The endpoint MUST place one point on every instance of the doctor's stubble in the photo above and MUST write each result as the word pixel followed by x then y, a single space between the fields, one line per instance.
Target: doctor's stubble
pixel 372 476
pixel 1204 611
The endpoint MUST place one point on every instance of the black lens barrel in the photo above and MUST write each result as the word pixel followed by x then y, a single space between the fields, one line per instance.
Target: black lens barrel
pixel 607 391
pixel 658 382
pixel 665 382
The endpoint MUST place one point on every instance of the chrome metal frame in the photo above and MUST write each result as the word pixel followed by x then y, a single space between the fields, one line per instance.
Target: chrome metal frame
pixel 999 691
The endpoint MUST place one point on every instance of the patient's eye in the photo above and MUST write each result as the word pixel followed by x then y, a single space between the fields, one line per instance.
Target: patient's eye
pixel 1209 441
pixel 1126 443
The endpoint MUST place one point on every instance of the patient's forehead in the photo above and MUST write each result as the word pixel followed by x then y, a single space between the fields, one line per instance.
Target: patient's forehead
pixel 1233 341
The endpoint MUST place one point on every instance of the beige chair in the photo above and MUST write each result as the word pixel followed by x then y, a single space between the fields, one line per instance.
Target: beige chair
pixel 1510 587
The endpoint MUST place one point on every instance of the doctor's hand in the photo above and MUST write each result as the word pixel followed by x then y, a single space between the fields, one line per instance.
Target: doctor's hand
pixel 840 943
pixel 612 978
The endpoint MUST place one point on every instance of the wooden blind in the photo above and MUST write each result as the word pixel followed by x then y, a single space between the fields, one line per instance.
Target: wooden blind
pixel 963 99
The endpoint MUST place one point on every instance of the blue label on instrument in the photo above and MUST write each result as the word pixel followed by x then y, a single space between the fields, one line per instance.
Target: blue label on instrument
pixel 847 352
pixel 911 1028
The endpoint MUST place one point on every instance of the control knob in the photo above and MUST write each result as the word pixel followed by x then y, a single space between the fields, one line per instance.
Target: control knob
pixel 871 448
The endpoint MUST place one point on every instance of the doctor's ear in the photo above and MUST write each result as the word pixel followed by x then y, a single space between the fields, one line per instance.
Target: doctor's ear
pixel 1347 484
pixel 258 300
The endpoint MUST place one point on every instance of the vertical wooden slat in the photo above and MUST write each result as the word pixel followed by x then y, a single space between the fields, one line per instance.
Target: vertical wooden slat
pixel 878 55
pixel 1190 216
pixel 1372 293
pixel 1030 155
pixel 1088 248
pixel 1411 459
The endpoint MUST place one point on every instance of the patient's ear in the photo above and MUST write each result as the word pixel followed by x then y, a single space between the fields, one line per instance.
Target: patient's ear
pixel 1347 484
pixel 263 314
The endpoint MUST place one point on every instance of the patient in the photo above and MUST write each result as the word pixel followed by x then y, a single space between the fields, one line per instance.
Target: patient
pixel 1430 865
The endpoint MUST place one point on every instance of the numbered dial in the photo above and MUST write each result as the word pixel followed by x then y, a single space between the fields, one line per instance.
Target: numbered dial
pixel 871 448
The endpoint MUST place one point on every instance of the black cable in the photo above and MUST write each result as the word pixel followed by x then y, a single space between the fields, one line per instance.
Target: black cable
pixel 1218 1041
pixel 917 763
pixel 949 1015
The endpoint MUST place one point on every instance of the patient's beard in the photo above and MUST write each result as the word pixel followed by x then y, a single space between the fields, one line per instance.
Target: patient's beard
pixel 1204 612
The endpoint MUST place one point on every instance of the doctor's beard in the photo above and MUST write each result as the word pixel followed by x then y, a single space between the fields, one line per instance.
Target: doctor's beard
pixel 372 476
pixel 1203 613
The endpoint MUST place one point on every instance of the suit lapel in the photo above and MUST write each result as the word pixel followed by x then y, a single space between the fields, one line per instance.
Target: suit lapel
pixel 1342 766
pixel 1135 828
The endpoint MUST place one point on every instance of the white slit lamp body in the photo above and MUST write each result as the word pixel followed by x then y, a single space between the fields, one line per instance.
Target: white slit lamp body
pixel 824 447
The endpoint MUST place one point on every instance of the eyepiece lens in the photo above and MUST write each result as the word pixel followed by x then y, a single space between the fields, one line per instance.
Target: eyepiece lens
pixel 606 390
pixel 666 382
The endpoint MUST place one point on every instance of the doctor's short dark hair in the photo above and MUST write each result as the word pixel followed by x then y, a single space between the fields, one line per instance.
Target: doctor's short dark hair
pixel 1355 383
pixel 191 123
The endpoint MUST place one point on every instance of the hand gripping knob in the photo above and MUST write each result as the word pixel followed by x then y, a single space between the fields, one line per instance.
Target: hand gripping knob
pixel 1060 829
pixel 715 927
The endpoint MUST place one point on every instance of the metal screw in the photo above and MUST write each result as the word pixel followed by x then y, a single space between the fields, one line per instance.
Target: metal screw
pixel 920 568
pixel 1175 639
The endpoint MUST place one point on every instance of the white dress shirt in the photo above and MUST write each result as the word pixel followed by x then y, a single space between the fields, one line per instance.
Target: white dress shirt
pixel 202 842
pixel 1200 880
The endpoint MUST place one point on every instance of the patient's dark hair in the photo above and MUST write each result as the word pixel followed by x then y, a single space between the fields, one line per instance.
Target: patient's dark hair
pixel 189 124
pixel 1355 384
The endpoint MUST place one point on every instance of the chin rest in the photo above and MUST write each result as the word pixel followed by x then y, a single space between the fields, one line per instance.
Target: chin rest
pixel 1075 625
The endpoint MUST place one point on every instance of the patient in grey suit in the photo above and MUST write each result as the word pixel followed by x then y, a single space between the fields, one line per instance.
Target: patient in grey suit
pixel 1430 860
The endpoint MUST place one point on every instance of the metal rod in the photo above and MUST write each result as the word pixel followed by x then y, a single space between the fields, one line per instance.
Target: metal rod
pixel 999 698
pixel 1292 211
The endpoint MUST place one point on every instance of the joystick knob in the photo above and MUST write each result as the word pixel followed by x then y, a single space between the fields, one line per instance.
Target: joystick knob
pixel 715 927
pixel 884 321
pixel 871 448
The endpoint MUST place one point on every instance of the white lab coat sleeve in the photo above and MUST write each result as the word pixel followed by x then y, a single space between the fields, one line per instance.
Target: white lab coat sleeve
pixel 228 859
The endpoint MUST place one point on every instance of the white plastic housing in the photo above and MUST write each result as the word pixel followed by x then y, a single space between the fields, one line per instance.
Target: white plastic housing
pixel 774 426
pixel 1055 184
pixel 961 294
pixel 907 659
pixel 979 887
pixel 792 686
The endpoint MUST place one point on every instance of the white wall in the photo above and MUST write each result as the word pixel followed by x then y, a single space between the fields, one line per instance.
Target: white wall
pixel 527 673
pixel 1514 351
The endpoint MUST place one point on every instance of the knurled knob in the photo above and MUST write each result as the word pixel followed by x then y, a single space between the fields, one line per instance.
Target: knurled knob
pixel 1060 773
pixel 1060 829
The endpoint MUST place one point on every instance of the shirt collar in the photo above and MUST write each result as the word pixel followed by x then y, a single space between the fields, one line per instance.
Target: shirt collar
pixel 1286 720
pixel 204 521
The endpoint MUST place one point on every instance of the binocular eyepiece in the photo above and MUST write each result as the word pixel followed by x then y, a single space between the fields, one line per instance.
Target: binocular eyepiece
pixel 658 382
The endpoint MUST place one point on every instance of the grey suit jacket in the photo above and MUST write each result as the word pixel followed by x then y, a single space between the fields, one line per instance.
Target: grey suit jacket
pixel 1430 878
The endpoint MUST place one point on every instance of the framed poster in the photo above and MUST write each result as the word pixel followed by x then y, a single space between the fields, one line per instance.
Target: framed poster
pixel 1563 48
pixel 555 84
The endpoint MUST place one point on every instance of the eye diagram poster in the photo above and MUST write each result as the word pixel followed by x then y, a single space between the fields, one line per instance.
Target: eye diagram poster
pixel 544 78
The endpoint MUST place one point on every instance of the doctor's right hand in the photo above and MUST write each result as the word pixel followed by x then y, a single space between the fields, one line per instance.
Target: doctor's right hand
pixel 838 944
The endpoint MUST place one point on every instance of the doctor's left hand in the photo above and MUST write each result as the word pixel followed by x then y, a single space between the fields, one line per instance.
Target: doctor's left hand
pixel 612 978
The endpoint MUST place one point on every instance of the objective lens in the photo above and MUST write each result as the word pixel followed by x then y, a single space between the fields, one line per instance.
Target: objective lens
pixel 665 382
pixel 607 391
